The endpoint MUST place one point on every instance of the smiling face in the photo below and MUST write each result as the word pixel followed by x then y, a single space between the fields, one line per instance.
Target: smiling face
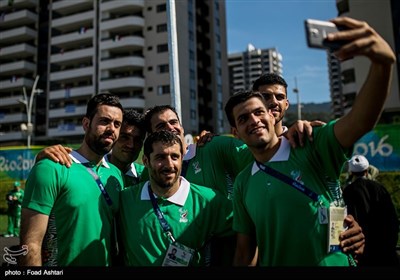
pixel 126 150
pixel 254 124
pixel 167 120
pixel 276 100
pixel 164 165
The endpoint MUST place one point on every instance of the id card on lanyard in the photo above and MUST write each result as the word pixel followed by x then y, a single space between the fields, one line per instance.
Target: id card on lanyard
pixel 178 255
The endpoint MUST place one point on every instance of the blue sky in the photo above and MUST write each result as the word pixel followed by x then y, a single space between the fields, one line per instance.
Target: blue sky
pixel 280 24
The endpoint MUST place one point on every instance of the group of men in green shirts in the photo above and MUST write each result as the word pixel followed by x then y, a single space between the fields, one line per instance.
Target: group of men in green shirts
pixel 170 212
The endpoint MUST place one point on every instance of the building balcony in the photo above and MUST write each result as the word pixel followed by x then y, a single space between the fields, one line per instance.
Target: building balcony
pixel 10 101
pixel 17 68
pixel 65 130
pixel 72 74
pixel 125 43
pixel 73 22
pixel 123 63
pixel 19 4
pixel 73 39
pixel 17 51
pixel 12 136
pixel 17 35
pixel 133 102
pixel 72 57
pixel 128 23
pixel 7 85
pixel 122 83
pixel 72 93
pixel 18 18
pixel 121 6
pixel 67 7
pixel 13 118
pixel 67 111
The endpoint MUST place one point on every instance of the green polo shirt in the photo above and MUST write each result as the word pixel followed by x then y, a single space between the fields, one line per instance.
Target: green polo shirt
pixel 194 213
pixel 80 224
pixel 283 219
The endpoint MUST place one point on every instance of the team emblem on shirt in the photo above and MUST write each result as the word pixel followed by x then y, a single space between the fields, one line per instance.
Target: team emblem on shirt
pixel 196 166
pixel 296 175
pixel 184 213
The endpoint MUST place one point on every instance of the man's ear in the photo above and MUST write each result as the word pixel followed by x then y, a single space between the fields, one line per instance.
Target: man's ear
pixel 85 123
pixel 145 161
pixel 235 132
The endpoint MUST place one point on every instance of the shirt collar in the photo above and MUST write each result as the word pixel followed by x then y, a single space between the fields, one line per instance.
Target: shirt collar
pixel 78 158
pixel 190 152
pixel 131 172
pixel 178 198
pixel 282 154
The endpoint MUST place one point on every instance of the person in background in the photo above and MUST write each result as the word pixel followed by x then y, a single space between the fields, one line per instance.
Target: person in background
pixel 68 213
pixel 14 201
pixel 168 213
pixel 371 205
pixel 128 146
pixel 298 188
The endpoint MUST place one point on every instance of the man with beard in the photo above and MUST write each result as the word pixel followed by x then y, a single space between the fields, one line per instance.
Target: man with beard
pixel 67 213
pixel 167 213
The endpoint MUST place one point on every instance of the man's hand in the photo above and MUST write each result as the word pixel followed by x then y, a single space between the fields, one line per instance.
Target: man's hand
pixel 204 137
pixel 299 130
pixel 56 153
pixel 352 240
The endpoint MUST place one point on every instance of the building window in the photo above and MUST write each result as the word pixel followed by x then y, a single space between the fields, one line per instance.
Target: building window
pixel 162 28
pixel 150 68
pixel 150 89
pixel 149 28
pixel 163 68
pixel 162 48
pixel 161 8
pixel 163 90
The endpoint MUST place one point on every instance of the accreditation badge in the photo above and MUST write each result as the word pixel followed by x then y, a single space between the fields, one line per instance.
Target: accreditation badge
pixel 178 255
pixel 336 227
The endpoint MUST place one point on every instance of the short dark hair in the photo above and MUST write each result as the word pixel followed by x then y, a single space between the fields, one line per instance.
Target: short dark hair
pixel 269 79
pixel 155 110
pixel 239 97
pixel 133 117
pixel 163 136
pixel 101 99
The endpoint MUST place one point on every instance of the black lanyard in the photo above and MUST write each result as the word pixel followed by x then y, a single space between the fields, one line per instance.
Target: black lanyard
pixel 295 184
pixel 101 186
pixel 160 216
pixel 185 165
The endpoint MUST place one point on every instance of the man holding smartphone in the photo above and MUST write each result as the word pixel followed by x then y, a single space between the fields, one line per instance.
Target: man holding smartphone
pixel 281 202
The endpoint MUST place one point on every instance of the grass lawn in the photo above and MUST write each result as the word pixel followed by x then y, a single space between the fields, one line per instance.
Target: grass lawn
pixel 3 223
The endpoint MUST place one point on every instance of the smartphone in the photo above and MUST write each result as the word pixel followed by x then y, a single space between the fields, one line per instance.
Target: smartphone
pixel 318 30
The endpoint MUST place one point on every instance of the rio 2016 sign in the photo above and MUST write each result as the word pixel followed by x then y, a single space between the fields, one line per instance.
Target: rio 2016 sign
pixel 381 147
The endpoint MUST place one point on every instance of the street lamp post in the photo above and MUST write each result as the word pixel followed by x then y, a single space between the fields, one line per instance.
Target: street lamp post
pixel 296 91
pixel 28 102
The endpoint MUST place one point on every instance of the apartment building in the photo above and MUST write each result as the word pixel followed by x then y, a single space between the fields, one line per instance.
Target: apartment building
pixel 83 47
pixel 353 72
pixel 245 67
